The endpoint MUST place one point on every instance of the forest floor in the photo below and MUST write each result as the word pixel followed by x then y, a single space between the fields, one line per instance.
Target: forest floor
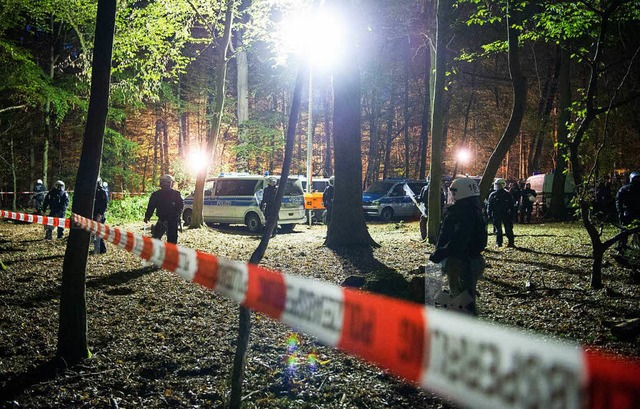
pixel 158 341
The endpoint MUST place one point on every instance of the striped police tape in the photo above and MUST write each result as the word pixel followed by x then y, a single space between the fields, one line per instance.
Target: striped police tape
pixel 476 363
pixel 37 219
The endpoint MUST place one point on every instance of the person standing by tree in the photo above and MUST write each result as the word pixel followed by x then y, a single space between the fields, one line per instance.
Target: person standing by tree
pixel 628 207
pixel 58 200
pixel 38 195
pixel 423 197
pixel 528 197
pixel 500 210
pixel 269 201
pixel 99 209
pixel 327 199
pixel 462 238
pixel 515 191
pixel 168 204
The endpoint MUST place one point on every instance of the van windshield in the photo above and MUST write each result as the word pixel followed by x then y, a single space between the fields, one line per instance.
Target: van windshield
pixel 380 187
pixel 293 188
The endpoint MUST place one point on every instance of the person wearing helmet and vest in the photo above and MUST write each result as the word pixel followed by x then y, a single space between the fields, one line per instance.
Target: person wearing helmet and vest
pixel 58 201
pixel 327 199
pixel 101 201
pixel 500 211
pixel 38 195
pixel 462 238
pixel 628 207
pixel 168 204
pixel 269 201
pixel 528 197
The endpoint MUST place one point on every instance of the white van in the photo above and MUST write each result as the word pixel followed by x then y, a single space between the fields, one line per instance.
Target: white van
pixel 234 199
pixel 543 185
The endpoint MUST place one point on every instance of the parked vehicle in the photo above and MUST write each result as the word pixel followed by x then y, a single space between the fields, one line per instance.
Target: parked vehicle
pixel 234 198
pixel 387 199
pixel 543 185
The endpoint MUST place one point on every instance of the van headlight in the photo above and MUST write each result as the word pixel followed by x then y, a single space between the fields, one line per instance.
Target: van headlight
pixel 375 203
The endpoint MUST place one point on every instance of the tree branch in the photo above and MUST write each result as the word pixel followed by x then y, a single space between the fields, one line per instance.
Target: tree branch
pixel 13 107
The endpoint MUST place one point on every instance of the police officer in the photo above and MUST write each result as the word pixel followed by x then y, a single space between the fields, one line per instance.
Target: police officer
pixel 58 200
pixel 628 206
pixel 517 195
pixel 168 204
pixel 462 238
pixel 269 201
pixel 99 209
pixel 327 199
pixel 500 210
pixel 38 195
pixel 423 197
pixel 528 197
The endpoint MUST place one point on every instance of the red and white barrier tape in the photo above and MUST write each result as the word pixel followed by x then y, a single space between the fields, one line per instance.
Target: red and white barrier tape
pixel 37 219
pixel 476 363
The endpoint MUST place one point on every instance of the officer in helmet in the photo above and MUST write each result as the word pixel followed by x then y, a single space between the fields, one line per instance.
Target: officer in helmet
pixel 58 201
pixel 39 190
pixel 628 207
pixel 500 211
pixel 462 238
pixel 327 199
pixel 168 204
pixel 269 201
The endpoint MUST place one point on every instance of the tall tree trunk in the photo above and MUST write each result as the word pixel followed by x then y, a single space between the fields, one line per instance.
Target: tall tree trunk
pixel 463 141
pixel 14 178
pixel 197 219
pixel 242 84
pixel 165 147
pixel 558 209
pixel 244 325
pixel 347 227
pixel 182 125
pixel 374 144
pixel 426 114
pixel 328 157
pixel 519 84
pixel 437 118
pixel 156 142
pixel 72 330
pixel 407 140
pixel 389 139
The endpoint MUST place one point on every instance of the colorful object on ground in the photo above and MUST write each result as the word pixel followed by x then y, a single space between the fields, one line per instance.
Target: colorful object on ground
pixel 478 364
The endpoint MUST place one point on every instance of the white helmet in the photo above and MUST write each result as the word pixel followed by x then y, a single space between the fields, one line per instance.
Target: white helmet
pixel 272 181
pixel 39 181
pixel 166 180
pixel 332 180
pixel 59 184
pixel 464 187
pixel 633 175
pixel 499 183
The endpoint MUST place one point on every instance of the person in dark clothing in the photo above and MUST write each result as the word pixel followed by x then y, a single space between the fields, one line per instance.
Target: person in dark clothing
pixel 628 207
pixel 516 193
pixel 58 201
pixel 327 199
pixel 528 197
pixel 100 204
pixel 168 204
pixel 500 211
pixel 269 201
pixel 423 197
pixel 39 190
pixel 605 202
pixel 462 238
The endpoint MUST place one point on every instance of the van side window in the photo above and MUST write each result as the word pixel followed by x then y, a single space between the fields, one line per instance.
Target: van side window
pixel 398 190
pixel 208 189
pixel 235 187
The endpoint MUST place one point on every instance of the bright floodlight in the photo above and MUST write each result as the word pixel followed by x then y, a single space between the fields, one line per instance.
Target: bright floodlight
pixel 318 36
pixel 463 155
pixel 196 161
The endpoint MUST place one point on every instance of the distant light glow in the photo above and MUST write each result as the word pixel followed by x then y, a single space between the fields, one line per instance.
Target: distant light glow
pixel 196 161
pixel 463 155
pixel 316 35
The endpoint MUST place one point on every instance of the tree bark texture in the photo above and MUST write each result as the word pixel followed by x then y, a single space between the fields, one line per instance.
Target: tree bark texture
pixel 519 84
pixel 426 114
pixel 72 332
pixel 558 210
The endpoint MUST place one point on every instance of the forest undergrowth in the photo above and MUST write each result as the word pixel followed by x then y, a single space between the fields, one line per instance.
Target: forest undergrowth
pixel 158 341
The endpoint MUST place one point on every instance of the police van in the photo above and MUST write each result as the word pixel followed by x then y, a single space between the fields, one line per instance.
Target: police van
pixel 388 198
pixel 234 198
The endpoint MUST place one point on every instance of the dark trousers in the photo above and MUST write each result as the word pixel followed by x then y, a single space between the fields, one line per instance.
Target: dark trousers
pixel 329 214
pixel 166 226
pixel 525 211
pixel 506 221
pixel 98 245
pixel 49 229
pixel 423 226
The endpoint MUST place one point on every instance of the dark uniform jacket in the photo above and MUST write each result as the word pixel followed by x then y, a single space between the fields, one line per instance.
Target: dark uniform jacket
pixel 327 196
pixel 101 202
pixel 39 190
pixel 628 203
pixel 463 232
pixel 526 194
pixel 268 198
pixel 167 203
pixel 500 204
pixel 57 200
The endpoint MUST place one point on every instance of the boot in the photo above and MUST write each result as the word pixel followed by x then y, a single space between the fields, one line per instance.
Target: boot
pixel 47 235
